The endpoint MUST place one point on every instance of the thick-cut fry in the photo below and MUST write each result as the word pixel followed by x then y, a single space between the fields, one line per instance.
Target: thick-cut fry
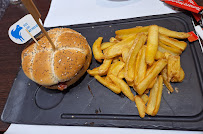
pixel 125 54
pixel 159 94
pixel 137 29
pixel 152 83
pixel 142 66
pixel 124 86
pixel 112 39
pixel 124 36
pixel 159 55
pixel 165 78
pixel 142 86
pixel 129 69
pixel 172 42
pixel 96 48
pixel 173 34
pixel 101 70
pixel 109 85
pixel 106 45
pixel 121 74
pixel 180 79
pixel 140 106
pixel 115 59
pixel 166 55
pixel 115 68
pixel 152 98
pixel 145 98
pixel 173 67
pixel 116 49
pixel 108 79
pixel 152 44
pixel 170 49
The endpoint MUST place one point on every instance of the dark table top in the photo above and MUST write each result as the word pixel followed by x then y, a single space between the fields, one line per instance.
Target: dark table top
pixel 10 52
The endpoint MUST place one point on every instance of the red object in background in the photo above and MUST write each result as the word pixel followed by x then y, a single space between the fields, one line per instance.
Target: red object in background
pixel 185 5
pixel 196 16
pixel 192 37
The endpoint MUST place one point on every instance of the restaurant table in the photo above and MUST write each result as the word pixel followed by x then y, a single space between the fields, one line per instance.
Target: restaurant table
pixel 10 53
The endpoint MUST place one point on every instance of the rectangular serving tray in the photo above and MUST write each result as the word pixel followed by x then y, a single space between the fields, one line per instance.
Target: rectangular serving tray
pixel 89 103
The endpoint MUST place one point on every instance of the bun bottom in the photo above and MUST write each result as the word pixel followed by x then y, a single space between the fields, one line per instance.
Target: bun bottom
pixel 79 74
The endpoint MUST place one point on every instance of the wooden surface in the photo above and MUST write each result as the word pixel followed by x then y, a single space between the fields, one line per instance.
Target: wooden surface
pixel 10 52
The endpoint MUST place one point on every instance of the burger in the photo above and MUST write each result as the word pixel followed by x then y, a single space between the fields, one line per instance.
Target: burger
pixel 59 68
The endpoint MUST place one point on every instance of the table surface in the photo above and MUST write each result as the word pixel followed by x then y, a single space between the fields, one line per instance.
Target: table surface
pixel 10 52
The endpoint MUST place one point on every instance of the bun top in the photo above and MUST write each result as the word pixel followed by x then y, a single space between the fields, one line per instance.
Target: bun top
pixel 47 67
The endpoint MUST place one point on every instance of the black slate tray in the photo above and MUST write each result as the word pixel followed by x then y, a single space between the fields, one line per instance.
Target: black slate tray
pixel 88 103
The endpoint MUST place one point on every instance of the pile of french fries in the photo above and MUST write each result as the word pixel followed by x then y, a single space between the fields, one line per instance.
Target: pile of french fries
pixel 142 58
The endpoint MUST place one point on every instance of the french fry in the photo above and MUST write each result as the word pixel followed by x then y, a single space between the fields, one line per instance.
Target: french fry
pixel 165 79
pixel 109 85
pixel 173 67
pixel 102 69
pixel 180 79
pixel 121 59
pixel 121 74
pixel 115 68
pixel 145 98
pixel 130 63
pixel 108 79
pixel 172 42
pixel 142 66
pixel 152 83
pixel 166 55
pixel 124 36
pixel 170 49
pixel 152 98
pixel 140 106
pixel 173 34
pixel 115 59
pixel 147 91
pixel 96 48
pixel 159 55
pixel 159 94
pixel 124 86
pixel 152 44
pixel 116 49
pixel 105 45
pixel 137 29
pixel 125 54
pixel 113 40
pixel 142 86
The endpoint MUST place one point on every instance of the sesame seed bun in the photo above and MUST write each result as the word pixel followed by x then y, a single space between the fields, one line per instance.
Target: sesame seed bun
pixel 67 63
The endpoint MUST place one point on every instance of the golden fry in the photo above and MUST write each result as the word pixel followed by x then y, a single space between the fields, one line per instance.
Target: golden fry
pixel 113 40
pixel 180 79
pixel 115 68
pixel 142 86
pixel 159 94
pixel 170 49
pixel 173 67
pixel 96 48
pixel 101 70
pixel 159 55
pixel 145 98
pixel 152 44
pixel 116 49
pixel 152 98
pixel 165 79
pixel 125 54
pixel 172 42
pixel 137 29
pixel 129 69
pixel 124 86
pixel 106 45
pixel 108 79
pixel 140 106
pixel 109 85
pixel 141 66
pixel 121 74
pixel 173 34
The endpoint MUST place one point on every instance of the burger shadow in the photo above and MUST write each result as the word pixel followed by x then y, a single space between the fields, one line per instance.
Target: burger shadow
pixel 75 84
